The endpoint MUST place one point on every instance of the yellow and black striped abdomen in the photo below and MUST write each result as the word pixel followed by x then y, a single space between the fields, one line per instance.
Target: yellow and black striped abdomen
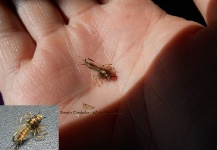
pixel 21 136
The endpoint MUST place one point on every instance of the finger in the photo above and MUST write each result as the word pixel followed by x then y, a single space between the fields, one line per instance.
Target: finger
pixel 208 10
pixel 15 44
pixel 40 17
pixel 72 8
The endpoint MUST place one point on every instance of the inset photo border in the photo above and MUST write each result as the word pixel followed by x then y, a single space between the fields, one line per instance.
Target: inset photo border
pixel 10 117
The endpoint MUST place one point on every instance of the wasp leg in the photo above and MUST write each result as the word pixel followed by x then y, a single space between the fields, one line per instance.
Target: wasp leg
pixel 38 131
pixel 89 59
pixel 107 64
pixel 21 120
pixel 16 147
pixel 41 135
pixel 96 79
pixel 26 117
pixel 41 128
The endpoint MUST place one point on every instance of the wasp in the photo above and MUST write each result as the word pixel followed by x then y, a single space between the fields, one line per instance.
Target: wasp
pixel 30 127
pixel 104 72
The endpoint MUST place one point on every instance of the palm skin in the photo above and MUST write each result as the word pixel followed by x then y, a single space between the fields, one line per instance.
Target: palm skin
pixel 164 67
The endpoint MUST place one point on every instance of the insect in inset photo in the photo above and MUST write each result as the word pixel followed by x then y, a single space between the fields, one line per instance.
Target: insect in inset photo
pixel 104 72
pixel 31 127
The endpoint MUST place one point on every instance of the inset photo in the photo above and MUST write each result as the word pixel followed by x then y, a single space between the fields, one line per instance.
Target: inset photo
pixel 29 127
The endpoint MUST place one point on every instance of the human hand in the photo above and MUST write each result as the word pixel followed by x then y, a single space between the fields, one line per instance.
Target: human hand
pixel 164 66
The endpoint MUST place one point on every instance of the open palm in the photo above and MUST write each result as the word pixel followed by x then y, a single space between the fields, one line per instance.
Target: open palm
pixel 159 60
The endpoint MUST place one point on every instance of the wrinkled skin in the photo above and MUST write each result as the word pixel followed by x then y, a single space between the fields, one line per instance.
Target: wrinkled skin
pixel 165 93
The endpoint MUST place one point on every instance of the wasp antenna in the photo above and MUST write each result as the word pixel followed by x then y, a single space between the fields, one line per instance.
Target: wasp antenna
pixel 81 58
pixel 84 60
pixel 91 59
pixel 37 113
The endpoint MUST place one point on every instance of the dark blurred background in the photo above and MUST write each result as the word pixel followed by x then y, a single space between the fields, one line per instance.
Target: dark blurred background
pixel 182 8
pixel 1 100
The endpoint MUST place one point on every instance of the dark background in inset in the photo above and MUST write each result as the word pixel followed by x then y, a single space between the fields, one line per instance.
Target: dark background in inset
pixel 181 8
